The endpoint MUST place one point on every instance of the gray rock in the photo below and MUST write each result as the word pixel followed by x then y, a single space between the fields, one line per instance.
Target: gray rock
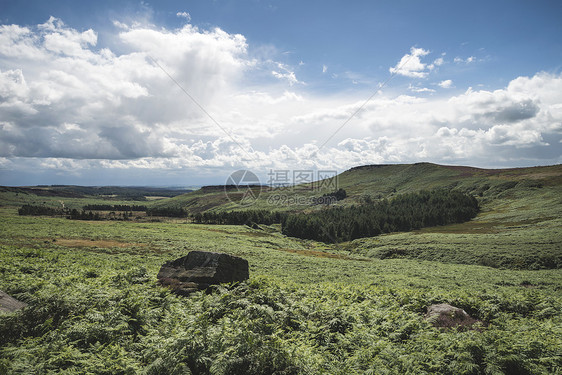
pixel 447 316
pixel 200 269
pixel 9 304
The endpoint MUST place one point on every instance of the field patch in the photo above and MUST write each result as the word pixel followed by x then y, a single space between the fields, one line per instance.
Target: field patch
pixel 321 254
pixel 470 227
pixel 81 242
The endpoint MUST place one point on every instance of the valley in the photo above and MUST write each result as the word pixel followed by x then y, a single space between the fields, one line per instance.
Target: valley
pixel 354 307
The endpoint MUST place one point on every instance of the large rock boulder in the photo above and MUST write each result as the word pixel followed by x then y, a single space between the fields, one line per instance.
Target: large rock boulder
pixel 200 269
pixel 447 316
pixel 9 304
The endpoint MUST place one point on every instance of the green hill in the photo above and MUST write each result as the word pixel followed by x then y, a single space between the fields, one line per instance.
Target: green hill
pixel 389 179
pixel 384 181
pixel 518 225
pixel 93 304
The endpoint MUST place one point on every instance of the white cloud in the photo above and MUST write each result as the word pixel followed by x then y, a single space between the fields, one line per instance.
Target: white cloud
pixel 324 68
pixel 513 123
pixel 67 104
pixel 266 98
pixel 438 61
pixel 285 74
pixel 419 89
pixel 125 106
pixel 185 15
pixel 468 60
pixel 290 77
pixel 446 84
pixel 410 65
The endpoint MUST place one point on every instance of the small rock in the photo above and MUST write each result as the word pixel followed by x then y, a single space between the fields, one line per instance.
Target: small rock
pixel 9 304
pixel 447 316
pixel 200 269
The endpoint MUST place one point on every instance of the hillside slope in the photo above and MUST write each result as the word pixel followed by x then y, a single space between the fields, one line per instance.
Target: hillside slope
pixel 519 225
pixel 308 308
pixel 384 181
pixel 389 179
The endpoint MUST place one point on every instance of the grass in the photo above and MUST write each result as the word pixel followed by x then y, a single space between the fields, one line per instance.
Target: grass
pixel 520 229
pixel 309 308
pixel 12 199
pixel 519 225
pixel 384 181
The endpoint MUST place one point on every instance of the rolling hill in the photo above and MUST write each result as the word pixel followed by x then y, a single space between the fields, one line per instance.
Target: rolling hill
pixel 93 304
pixel 384 181
pixel 519 224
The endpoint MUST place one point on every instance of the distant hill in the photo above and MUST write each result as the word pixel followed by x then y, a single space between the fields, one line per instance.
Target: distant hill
pixel 118 192
pixel 519 224
pixel 389 179
pixel 384 181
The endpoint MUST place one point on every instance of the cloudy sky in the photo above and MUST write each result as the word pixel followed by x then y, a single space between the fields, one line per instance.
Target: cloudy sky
pixel 186 92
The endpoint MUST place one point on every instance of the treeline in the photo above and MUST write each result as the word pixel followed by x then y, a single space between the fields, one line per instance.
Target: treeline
pixel 28 209
pixel 116 192
pixel 73 214
pixel 114 207
pixel 239 217
pixel 339 194
pixel 330 198
pixel 403 213
pixel 166 211
pixel 87 209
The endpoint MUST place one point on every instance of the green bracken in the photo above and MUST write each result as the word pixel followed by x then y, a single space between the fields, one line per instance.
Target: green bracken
pixel 358 307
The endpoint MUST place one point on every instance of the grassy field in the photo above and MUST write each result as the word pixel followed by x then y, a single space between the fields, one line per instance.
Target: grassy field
pixel 308 308
pixel 385 181
pixel 520 228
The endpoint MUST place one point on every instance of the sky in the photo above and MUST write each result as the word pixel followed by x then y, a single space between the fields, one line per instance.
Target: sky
pixel 183 93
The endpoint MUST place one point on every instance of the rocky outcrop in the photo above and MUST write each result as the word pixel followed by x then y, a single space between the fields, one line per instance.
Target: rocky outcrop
pixel 9 304
pixel 200 269
pixel 444 315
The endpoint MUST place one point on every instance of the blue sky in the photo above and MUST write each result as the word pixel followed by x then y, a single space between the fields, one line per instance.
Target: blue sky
pixel 87 97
